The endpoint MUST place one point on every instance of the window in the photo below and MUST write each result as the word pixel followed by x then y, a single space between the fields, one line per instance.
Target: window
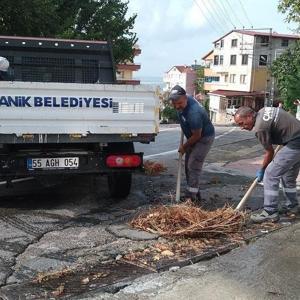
pixel 234 43
pixel 233 59
pixel 284 43
pixel 264 41
pixel 216 60
pixel 244 59
pixel 243 79
pixel 221 59
pixel 222 43
pixel 226 78
pixel 263 60
pixel 211 78
pixel 232 78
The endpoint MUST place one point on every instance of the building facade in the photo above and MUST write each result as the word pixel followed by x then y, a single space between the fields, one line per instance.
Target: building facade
pixel 211 78
pixel 239 66
pixel 185 76
pixel 126 69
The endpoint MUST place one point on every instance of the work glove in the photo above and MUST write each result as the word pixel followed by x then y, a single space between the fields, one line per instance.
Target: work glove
pixel 260 175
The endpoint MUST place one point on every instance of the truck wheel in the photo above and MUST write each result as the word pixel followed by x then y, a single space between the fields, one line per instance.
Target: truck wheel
pixel 119 184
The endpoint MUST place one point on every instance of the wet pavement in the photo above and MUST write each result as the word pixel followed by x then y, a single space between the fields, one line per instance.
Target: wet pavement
pixel 265 269
pixel 75 231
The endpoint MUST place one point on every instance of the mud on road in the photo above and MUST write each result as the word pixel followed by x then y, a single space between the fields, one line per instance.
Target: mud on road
pixel 71 239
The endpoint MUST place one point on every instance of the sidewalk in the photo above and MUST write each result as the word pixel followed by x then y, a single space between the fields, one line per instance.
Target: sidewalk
pixel 249 166
pixel 266 269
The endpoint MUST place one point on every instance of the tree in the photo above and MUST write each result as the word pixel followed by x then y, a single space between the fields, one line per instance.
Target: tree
pixel 74 19
pixel 167 112
pixel 28 18
pixel 104 20
pixel 286 70
pixel 200 80
pixel 292 9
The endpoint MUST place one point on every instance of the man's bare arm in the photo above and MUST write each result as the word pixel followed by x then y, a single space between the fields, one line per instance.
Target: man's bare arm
pixel 269 154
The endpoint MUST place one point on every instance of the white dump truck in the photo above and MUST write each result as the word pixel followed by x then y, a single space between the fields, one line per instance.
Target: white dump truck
pixel 64 113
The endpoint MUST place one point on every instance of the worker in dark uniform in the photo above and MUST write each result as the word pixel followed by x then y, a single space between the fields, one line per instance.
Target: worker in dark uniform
pixel 275 126
pixel 199 133
pixel 4 65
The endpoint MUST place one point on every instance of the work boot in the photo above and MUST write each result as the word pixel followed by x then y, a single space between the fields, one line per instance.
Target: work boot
pixel 195 198
pixel 264 216
pixel 289 210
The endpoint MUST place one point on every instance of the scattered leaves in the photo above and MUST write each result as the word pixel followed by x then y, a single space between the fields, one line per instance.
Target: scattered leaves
pixel 59 290
pixel 85 280
pixel 46 276
pixel 153 168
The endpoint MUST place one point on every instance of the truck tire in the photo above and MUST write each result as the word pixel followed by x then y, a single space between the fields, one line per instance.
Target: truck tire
pixel 119 183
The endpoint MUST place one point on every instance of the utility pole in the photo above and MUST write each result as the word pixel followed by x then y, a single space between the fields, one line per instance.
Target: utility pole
pixel 270 79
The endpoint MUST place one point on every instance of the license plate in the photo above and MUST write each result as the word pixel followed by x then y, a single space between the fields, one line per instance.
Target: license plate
pixel 53 163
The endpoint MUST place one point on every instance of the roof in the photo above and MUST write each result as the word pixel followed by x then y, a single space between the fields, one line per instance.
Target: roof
pixel 8 37
pixel 228 93
pixel 182 69
pixel 207 54
pixel 260 33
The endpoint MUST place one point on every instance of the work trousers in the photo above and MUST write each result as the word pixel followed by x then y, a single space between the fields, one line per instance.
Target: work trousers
pixel 285 167
pixel 194 159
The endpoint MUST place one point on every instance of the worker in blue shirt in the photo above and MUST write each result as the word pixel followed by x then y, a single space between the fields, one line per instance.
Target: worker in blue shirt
pixel 199 133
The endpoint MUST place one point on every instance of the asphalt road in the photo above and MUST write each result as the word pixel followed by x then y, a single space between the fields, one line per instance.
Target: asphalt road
pixel 75 223
pixel 167 141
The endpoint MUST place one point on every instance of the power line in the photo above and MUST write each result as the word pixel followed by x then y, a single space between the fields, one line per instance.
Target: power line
pixel 207 19
pixel 207 8
pixel 231 9
pixel 245 13
pixel 220 14
pixel 226 13
pixel 226 17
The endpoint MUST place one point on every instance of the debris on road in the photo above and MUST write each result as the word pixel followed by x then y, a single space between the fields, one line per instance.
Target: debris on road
pixel 154 168
pixel 189 220
pixel 47 276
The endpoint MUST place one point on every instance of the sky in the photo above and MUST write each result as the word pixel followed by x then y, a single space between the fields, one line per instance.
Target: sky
pixel 178 32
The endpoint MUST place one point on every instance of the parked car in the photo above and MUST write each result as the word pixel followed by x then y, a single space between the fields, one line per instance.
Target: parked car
pixel 232 110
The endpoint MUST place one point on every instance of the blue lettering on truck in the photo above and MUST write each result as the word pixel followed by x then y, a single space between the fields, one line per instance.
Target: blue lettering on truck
pixel 49 101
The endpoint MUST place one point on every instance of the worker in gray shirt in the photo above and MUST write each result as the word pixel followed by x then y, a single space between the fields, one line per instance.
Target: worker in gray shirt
pixel 199 133
pixel 274 126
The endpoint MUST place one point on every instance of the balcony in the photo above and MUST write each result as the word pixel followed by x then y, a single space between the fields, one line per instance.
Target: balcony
pixel 129 67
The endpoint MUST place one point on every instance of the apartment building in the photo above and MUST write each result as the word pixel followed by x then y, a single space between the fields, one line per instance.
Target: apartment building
pixel 185 76
pixel 125 70
pixel 239 70
pixel 211 78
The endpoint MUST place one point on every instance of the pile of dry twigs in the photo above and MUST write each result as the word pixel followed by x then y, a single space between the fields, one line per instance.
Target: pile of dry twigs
pixel 188 220
pixel 154 168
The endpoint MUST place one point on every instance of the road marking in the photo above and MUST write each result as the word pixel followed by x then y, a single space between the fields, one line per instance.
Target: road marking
pixel 176 150
pixel 169 129
pixel 162 153
pixel 227 132
pixel 17 180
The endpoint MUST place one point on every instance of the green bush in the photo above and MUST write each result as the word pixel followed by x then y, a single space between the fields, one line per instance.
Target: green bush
pixel 169 113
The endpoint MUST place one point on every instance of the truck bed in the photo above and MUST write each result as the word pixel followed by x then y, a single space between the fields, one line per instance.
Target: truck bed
pixel 36 110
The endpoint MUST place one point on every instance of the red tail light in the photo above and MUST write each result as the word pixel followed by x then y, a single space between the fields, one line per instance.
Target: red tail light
pixel 123 161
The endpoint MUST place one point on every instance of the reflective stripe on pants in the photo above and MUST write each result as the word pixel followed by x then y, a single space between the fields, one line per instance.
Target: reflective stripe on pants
pixel 285 166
